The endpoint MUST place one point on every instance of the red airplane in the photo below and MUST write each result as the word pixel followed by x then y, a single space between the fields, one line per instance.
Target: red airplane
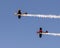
pixel 19 14
pixel 40 32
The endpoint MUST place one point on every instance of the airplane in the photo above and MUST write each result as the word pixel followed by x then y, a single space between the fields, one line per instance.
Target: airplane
pixel 19 14
pixel 40 32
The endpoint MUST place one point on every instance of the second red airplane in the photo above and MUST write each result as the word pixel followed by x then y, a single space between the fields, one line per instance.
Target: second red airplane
pixel 41 31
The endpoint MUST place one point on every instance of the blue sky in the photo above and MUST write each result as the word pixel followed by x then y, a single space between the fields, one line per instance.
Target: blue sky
pixel 15 33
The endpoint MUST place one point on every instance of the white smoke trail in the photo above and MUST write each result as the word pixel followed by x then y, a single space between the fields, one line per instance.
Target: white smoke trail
pixel 54 34
pixel 41 16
